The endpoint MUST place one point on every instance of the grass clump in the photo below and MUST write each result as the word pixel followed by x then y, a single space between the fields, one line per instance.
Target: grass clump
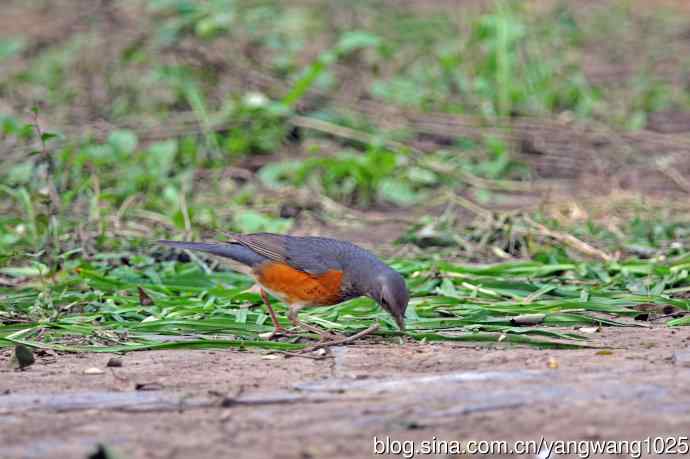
pixel 120 303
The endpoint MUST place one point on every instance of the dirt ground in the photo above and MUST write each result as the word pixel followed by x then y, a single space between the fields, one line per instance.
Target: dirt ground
pixel 244 404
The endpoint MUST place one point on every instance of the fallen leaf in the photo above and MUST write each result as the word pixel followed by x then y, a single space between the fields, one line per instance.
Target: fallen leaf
pixel 528 319
pixel 604 352
pixel 589 329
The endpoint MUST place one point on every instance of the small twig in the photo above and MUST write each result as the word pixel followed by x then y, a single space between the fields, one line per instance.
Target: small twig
pixel 507 185
pixel 346 132
pixel 304 356
pixel 674 175
pixel 570 240
pixel 97 208
pixel 184 208
pixel 469 205
pixel 338 342
pixel 673 314
pixel 123 208
pixel 50 166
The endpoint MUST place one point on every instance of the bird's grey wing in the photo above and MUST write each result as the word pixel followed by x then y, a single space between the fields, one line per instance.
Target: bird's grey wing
pixel 309 254
pixel 315 255
pixel 271 246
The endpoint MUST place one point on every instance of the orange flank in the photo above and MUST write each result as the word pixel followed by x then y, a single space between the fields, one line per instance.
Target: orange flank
pixel 297 287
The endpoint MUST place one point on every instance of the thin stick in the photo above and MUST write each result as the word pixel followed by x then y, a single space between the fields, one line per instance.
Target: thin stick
pixel 304 356
pixel 347 340
pixel 674 175
pixel 571 241
pixel 323 334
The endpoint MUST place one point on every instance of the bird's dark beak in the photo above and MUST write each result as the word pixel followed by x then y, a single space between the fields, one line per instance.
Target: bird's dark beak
pixel 393 297
pixel 397 314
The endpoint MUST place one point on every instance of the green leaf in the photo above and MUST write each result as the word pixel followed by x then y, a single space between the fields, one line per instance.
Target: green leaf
pixel 397 192
pixel 10 47
pixel 38 269
pixel 249 221
pixel 123 140
pixel 160 157
pixel 357 39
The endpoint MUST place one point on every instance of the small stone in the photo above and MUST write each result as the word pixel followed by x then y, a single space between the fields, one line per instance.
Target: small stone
pixel 552 363
pixel 23 357
pixel 93 371
pixel 114 362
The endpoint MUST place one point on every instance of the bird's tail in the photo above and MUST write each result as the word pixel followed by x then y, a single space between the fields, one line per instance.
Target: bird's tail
pixel 230 250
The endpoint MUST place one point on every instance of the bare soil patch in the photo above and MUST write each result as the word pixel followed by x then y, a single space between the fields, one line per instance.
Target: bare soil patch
pixel 245 404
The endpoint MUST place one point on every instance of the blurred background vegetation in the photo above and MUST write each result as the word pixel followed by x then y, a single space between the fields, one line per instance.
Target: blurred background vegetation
pixel 461 130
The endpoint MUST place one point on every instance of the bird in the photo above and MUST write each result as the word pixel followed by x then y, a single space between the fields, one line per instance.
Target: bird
pixel 310 271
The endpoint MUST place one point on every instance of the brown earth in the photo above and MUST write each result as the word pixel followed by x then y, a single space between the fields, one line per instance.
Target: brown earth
pixel 227 403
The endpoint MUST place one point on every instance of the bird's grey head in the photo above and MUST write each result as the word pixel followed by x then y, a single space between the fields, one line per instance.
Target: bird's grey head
pixel 390 292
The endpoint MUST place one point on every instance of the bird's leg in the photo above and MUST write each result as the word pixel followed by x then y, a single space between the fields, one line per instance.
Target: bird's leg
pixel 324 335
pixel 278 329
